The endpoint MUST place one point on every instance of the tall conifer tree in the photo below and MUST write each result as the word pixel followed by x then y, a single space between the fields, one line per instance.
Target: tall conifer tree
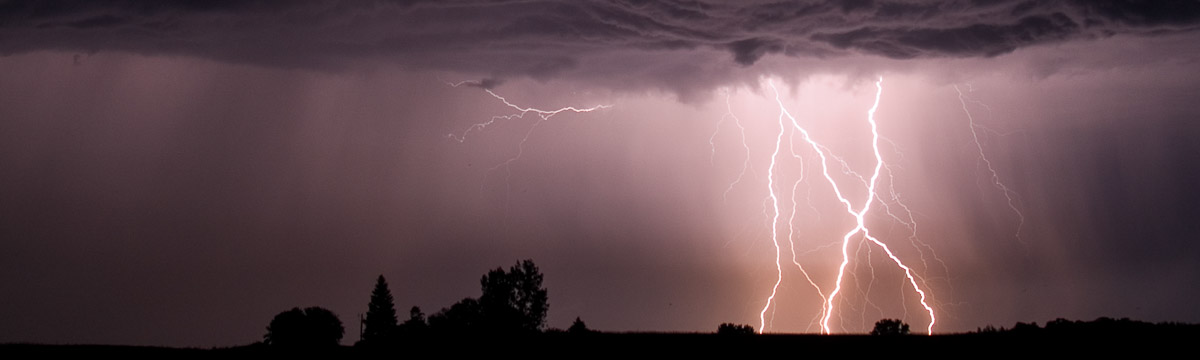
pixel 381 314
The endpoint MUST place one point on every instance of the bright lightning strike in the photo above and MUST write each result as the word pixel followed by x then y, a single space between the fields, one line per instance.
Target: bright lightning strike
pixel 879 187
pixel 830 301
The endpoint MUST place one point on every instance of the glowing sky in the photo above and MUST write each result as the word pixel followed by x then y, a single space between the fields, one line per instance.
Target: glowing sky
pixel 176 172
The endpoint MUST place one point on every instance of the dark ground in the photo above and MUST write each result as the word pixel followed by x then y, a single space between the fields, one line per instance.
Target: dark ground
pixel 676 345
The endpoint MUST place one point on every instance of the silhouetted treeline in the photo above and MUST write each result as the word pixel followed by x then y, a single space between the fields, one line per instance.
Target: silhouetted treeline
pixel 1103 336
pixel 1103 326
pixel 511 303
pixel 734 329
pixel 509 317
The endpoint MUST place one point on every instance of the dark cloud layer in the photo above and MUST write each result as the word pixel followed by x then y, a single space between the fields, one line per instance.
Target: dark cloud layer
pixel 546 38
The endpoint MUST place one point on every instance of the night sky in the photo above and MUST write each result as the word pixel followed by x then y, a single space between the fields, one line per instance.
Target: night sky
pixel 178 172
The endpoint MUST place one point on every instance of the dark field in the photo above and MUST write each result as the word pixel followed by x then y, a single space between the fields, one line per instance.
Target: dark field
pixel 674 345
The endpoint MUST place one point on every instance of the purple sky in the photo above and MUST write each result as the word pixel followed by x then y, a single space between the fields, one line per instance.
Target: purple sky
pixel 176 172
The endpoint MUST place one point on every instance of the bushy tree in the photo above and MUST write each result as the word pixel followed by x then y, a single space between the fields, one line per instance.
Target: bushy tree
pixel 311 327
pixel 514 300
pixel 1021 327
pixel 890 327
pixel 287 329
pixel 465 316
pixel 416 324
pixel 380 322
pixel 734 329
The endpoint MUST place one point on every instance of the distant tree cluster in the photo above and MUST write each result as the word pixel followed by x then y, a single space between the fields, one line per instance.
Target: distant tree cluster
pixel 416 324
pixel 734 329
pixel 512 302
pixel 890 327
pixel 1100 326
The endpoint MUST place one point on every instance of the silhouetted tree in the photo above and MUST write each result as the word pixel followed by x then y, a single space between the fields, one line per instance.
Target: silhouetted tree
pixel 286 329
pixel 311 327
pixel 1025 328
pixel 465 316
pixel 514 301
pixel 1064 325
pixel 381 314
pixel 890 327
pixel 415 325
pixel 734 329
pixel 578 327
pixel 989 329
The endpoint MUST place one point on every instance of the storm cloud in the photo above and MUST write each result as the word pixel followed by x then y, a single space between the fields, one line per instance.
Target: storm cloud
pixel 543 39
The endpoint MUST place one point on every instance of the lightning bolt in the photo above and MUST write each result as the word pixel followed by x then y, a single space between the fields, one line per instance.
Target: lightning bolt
pixel 908 220
pixel 762 321
pixel 792 220
pixel 876 191
pixel 542 115
pixel 741 130
pixel 995 177
pixel 521 111
pixel 830 301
